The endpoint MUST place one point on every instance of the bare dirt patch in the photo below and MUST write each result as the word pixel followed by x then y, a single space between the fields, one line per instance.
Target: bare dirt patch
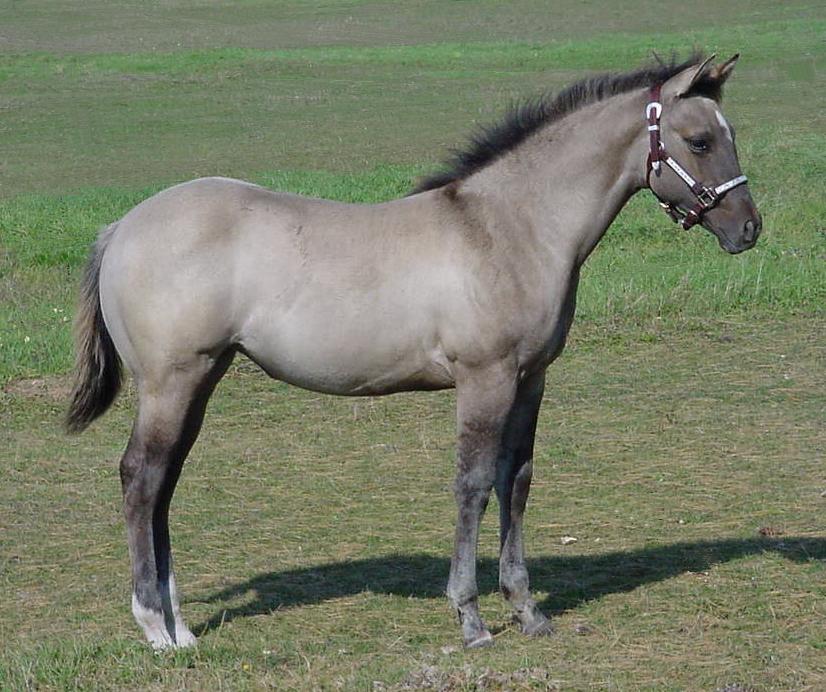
pixel 53 388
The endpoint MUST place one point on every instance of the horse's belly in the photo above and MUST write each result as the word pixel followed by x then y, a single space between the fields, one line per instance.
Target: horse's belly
pixel 347 356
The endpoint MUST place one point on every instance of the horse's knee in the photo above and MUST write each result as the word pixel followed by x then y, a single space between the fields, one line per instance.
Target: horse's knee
pixel 475 481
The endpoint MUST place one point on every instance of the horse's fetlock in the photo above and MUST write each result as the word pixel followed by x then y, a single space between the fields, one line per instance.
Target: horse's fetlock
pixel 147 597
pixel 462 598
pixel 514 588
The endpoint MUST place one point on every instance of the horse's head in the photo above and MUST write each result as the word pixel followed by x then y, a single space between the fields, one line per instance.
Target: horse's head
pixel 693 166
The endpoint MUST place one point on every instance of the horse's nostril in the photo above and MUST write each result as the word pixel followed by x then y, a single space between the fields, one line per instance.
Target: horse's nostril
pixel 750 231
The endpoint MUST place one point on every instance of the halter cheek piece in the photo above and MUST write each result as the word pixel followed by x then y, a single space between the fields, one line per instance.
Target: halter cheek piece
pixel 707 197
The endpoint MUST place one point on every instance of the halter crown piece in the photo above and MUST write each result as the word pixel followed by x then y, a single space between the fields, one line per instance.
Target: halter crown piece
pixel 707 197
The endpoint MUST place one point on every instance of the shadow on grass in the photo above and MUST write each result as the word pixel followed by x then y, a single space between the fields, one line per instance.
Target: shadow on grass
pixel 570 581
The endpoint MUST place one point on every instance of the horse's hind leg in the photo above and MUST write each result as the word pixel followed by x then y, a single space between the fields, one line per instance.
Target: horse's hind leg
pixel 170 411
pixel 513 482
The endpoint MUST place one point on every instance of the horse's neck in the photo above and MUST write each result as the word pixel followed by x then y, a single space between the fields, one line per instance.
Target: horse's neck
pixel 573 177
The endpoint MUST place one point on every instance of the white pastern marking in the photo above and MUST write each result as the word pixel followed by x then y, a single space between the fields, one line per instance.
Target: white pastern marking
pixel 173 593
pixel 723 124
pixel 153 626
pixel 183 636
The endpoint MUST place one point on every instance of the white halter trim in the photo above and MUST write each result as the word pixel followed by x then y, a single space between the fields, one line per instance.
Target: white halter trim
pixel 707 197
pixel 734 182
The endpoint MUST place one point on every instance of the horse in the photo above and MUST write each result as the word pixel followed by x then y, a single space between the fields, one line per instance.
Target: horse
pixel 468 282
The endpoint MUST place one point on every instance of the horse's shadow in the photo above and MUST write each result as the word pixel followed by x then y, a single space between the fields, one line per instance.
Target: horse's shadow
pixel 570 581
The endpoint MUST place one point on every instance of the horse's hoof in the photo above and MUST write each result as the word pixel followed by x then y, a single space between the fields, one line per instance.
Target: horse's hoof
pixel 159 646
pixel 184 638
pixel 543 629
pixel 537 626
pixel 483 640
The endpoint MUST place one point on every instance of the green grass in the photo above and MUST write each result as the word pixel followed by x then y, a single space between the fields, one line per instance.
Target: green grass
pixel 766 43
pixel 122 26
pixel 160 117
pixel 312 534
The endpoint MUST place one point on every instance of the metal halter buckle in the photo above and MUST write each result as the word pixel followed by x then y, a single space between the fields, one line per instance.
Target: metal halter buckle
pixel 708 197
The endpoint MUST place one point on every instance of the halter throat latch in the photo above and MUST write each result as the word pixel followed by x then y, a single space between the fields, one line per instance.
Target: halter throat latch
pixel 706 197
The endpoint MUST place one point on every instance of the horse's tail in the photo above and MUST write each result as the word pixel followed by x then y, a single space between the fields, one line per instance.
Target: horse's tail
pixel 97 365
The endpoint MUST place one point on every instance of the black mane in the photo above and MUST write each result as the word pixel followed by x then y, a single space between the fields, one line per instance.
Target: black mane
pixel 525 118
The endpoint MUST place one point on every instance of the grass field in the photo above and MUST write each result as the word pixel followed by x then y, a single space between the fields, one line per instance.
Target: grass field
pixel 312 534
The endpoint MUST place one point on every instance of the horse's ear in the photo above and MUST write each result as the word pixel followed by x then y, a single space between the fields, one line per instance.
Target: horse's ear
pixel 720 73
pixel 682 83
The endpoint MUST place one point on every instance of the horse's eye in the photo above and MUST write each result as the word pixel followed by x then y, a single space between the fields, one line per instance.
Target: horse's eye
pixel 698 145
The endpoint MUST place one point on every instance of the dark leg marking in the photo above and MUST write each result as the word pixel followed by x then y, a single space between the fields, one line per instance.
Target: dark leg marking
pixel 513 483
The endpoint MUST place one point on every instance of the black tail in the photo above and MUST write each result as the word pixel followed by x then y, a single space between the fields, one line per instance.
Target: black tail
pixel 98 367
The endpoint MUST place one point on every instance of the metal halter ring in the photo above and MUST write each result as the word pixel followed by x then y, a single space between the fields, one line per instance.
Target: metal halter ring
pixel 657 107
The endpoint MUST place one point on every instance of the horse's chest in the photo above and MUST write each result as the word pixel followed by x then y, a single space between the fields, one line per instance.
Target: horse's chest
pixel 546 336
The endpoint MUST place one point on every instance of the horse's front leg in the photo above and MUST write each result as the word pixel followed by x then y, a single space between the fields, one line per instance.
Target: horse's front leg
pixel 513 482
pixel 483 400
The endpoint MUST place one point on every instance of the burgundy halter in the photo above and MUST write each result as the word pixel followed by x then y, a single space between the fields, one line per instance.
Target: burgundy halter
pixel 707 197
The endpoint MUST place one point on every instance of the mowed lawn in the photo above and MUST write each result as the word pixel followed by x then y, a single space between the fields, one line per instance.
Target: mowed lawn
pixel 683 432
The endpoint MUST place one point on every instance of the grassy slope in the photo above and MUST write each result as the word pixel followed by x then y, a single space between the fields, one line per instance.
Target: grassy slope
pixel 687 412
pixel 122 26
pixel 114 119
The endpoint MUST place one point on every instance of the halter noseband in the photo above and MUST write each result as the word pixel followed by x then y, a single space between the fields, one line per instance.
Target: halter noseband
pixel 707 197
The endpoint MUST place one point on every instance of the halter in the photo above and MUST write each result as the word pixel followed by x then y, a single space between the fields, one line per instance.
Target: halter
pixel 707 197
